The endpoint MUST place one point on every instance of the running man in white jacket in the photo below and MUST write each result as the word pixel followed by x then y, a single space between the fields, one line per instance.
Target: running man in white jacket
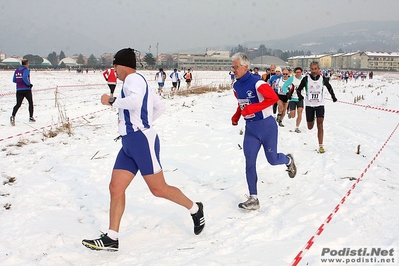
pixel 138 107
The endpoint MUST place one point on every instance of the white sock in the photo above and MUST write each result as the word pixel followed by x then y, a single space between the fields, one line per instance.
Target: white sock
pixel 289 162
pixel 254 196
pixel 113 234
pixel 194 209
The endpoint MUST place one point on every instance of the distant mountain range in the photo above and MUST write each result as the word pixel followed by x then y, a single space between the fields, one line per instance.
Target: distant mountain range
pixel 380 36
pixel 350 37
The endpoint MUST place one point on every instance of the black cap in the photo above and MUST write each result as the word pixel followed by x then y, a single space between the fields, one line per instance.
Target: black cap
pixel 125 57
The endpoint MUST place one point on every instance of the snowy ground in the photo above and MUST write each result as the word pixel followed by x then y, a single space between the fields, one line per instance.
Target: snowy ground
pixel 54 191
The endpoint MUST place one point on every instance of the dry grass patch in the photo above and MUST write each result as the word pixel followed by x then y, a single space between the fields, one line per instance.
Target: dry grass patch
pixel 20 143
pixel 9 180
pixel 64 127
pixel 204 89
pixel 63 122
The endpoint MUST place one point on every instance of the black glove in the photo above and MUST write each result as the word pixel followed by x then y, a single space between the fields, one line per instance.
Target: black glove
pixel 300 97
pixel 31 85
pixel 289 95
pixel 333 98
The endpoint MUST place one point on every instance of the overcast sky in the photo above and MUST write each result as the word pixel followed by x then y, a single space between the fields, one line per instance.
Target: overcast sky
pixel 175 24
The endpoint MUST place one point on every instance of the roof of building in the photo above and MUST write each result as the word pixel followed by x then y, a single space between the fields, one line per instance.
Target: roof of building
pixel 267 60
pixel 312 56
pixel 387 54
pixel 11 61
pixel 339 54
pixel 46 62
pixel 351 53
pixel 68 61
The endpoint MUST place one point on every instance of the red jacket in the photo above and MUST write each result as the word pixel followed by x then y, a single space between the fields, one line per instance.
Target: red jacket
pixel 110 76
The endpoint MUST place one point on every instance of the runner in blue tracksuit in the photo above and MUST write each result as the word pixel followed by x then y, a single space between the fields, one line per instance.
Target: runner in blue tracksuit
pixel 255 99
pixel 24 90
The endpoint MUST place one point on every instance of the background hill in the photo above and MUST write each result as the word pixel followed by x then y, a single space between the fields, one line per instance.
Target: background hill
pixel 354 36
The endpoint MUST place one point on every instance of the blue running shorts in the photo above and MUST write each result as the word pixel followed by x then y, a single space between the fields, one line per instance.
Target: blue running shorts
pixel 140 151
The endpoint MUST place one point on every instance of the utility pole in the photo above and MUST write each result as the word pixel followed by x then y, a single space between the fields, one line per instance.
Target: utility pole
pixel 261 56
pixel 157 52
pixel 149 49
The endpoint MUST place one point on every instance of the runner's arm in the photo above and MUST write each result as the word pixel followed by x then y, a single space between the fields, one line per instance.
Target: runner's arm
pixel 329 88
pixel 270 98
pixel 300 87
pixel 237 114
pixel 159 106
pixel 25 77
pixel 287 83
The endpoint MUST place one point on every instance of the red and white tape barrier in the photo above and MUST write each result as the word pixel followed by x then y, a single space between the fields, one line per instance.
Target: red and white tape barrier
pixel 53 88
pixel 55 124
pixel 369 106
pixel 318 232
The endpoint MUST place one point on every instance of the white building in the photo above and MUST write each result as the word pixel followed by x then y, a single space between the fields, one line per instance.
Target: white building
pixel 69 62
pixel 210 60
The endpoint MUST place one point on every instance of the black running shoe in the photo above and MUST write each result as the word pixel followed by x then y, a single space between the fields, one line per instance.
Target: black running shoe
pixel 198 219
pixel 102 243
pixel 31 119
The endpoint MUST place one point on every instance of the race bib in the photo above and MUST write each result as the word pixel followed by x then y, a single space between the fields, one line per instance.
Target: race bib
pixel 243 103
pixel 314 96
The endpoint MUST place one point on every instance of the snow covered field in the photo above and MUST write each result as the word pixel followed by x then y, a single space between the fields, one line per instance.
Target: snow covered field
pixel 54 191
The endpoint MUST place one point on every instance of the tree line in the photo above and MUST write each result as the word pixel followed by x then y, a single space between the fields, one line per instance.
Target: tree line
pixel 263 50
pixel 151 61
pixel 54 59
